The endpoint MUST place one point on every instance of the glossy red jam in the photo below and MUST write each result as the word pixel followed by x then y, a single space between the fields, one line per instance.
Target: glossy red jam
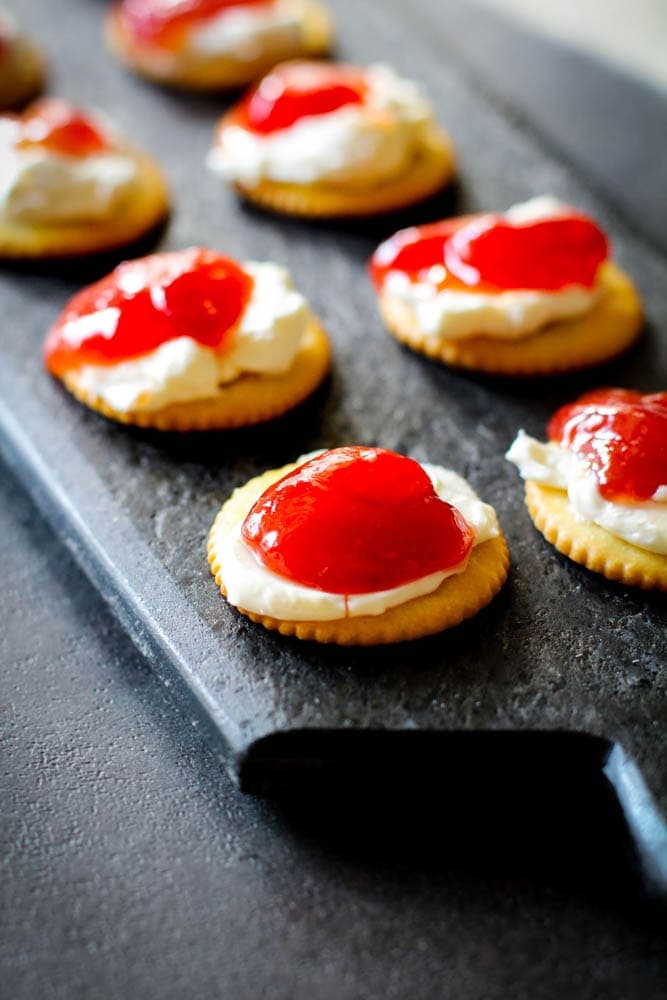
pixel 296 90
pixel 145 303
pixel 58 126
pixel 489 253
pixel 163 23
pixel 356 520
pixel 622 437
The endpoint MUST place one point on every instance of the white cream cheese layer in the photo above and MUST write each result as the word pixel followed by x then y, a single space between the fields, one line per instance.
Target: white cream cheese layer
pixel 357 144
pixel 265 341
pixel 39 187
pixel 248 33
pixel 251 586
pixel 508 315
pixel 643 523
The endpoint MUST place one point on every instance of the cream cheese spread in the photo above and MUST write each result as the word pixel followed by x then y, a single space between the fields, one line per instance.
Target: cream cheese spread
pixel 643 523
pixel 253 587
pixel 357 144
pixel 247 33
pixel 265 341
pixel 39 187
pixel 507 315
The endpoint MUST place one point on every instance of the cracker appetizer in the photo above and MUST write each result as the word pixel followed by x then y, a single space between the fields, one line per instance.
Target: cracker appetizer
pixel 189 340
pixel 69 186
pixel 529 292
pixel 598 489
pixel 357 546
pixel 215 44
pixel 323 139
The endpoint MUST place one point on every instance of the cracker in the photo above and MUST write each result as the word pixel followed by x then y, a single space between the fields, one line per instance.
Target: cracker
pixel 589 544
pixel 142 213
pixel 457 598
pixel 432 169
pixel 189 71
pixel 612 326
pixel 250 399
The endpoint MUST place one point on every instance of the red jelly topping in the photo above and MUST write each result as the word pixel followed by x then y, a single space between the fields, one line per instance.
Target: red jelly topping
pixel 355 520
pixel 622 437
pixel 144 303
pixel 162 23
pixel 296 90
pixel 60 127
pixel 488 253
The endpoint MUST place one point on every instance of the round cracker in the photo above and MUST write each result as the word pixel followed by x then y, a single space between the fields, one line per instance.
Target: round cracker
pixel 138 216
pixel 589 544
pixel 250 399
pixel 432 169
pixel 189 71
pixel 609 329
pixel 457 598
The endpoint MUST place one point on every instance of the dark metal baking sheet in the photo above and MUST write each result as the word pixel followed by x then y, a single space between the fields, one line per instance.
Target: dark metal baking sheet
pixel 560 650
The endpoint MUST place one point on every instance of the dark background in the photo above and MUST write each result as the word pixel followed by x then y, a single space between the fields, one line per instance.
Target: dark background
pixel 131 866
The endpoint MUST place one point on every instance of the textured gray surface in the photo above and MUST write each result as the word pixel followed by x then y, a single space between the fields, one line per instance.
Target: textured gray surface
pixel 572 653
pixel 559 649
pixel 130 867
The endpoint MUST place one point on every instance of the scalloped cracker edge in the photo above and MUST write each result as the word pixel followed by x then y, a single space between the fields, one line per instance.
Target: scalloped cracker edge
pixel 136 217
pixel 609 329
pixel 249 399
pixel 590 545
pixel 432 169
pixel 456 599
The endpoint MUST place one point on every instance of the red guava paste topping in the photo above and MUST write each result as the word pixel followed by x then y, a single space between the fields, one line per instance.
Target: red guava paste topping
pixel 162 23
pixel 622 437
pixel 296 90
pixel 58 126
pixel 145 303
pixel 491 254
pixel 355 520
